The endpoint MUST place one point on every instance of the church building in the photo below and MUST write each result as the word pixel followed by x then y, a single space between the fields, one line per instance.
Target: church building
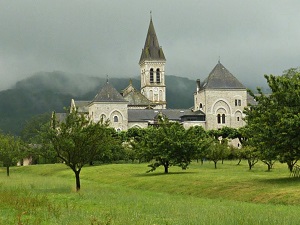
pixel 218 101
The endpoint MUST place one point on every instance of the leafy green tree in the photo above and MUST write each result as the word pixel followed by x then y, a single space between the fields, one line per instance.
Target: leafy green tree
pixel 218 150
pixel 202 141
pixel 31 128
pixel 11 151
pixel 274 121
pixel 168 145
pixel 251 154
pixel 77 141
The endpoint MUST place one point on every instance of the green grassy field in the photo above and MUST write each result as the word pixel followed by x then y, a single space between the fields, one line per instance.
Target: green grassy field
pixel 125 194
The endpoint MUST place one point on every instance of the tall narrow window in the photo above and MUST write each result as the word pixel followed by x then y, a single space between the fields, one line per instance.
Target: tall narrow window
pixel 116 119
pixel 223 118
pixel 151 76
pixel 219 118
pixel 157 75
pixel 239 102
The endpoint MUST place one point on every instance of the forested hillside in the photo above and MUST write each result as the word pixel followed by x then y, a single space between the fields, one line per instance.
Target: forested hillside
pixel 47 92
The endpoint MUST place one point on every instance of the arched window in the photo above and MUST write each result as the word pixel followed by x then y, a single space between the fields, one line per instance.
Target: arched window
pixel 116 119
pixel 151 76
pixel 219 118
pixel 201 106
pixel 157 75
pixel 223 118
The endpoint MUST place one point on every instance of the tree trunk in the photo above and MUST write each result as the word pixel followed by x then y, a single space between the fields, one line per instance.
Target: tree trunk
pixel 77 180
pixel 215 164
pixel 239 162
pixel 250 164
pixel 7 171
pixel 290 165
pixel 166 165
pixel 269 167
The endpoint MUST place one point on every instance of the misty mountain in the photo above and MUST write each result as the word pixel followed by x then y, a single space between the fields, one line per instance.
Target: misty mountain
pixel 52 91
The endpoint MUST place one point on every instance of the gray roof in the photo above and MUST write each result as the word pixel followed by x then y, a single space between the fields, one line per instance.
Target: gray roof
pixel 221 78
pixel 82 106
pixel 143 115
pixel 61 117
pixel 152 50
pixel 134 97
pixel 108 94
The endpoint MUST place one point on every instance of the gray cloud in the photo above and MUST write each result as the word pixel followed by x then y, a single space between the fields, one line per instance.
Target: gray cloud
pixel 92 37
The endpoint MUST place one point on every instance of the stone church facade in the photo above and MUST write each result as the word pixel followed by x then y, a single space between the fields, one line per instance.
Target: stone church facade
pixel 218 101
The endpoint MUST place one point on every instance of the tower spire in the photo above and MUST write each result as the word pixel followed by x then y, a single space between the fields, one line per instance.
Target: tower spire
pixel 152 50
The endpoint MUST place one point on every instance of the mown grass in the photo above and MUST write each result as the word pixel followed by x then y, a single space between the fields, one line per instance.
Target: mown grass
pixel 125 194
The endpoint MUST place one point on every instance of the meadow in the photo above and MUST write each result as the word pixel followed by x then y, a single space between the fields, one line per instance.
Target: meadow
pixel 126 194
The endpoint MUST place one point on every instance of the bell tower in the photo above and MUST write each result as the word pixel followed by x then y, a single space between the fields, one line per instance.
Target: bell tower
pixel 152 66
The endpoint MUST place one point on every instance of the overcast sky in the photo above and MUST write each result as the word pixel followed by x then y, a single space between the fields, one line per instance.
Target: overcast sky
pixel 251 37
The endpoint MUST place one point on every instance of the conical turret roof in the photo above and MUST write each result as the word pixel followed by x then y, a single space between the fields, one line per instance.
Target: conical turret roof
pixel 152 50
pixel 221 78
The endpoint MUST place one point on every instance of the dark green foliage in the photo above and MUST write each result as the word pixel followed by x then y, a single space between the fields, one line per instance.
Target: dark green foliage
pixel 274 122
pixel 77 142
pixel 168 145
pixel 12 150
pixel 32 127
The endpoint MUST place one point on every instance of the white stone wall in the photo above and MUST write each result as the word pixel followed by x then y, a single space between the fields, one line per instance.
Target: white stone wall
pixel 138 124
pixel 110 111
pixel 189 124
pixel 220 101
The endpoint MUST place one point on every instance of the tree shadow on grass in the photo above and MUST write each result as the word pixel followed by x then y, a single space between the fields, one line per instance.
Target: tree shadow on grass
pixel 153 174
pixel 282 180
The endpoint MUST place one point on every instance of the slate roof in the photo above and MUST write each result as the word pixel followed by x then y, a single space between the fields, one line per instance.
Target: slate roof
pixel 134 97
pixel 221 78
pixel 61 117
pixel 144 115
pixel 108 94
pixel 152 51
pixel 82 106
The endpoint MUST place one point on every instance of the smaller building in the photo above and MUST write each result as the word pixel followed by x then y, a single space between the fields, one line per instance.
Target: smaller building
pixel 222 98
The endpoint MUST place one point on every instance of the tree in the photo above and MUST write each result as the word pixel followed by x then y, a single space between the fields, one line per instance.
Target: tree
pixel 11 151
pixel 77 141
pixel 273 122
pixel 202 141
pixel 168 145
pixel 30 131
pixel 218 150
